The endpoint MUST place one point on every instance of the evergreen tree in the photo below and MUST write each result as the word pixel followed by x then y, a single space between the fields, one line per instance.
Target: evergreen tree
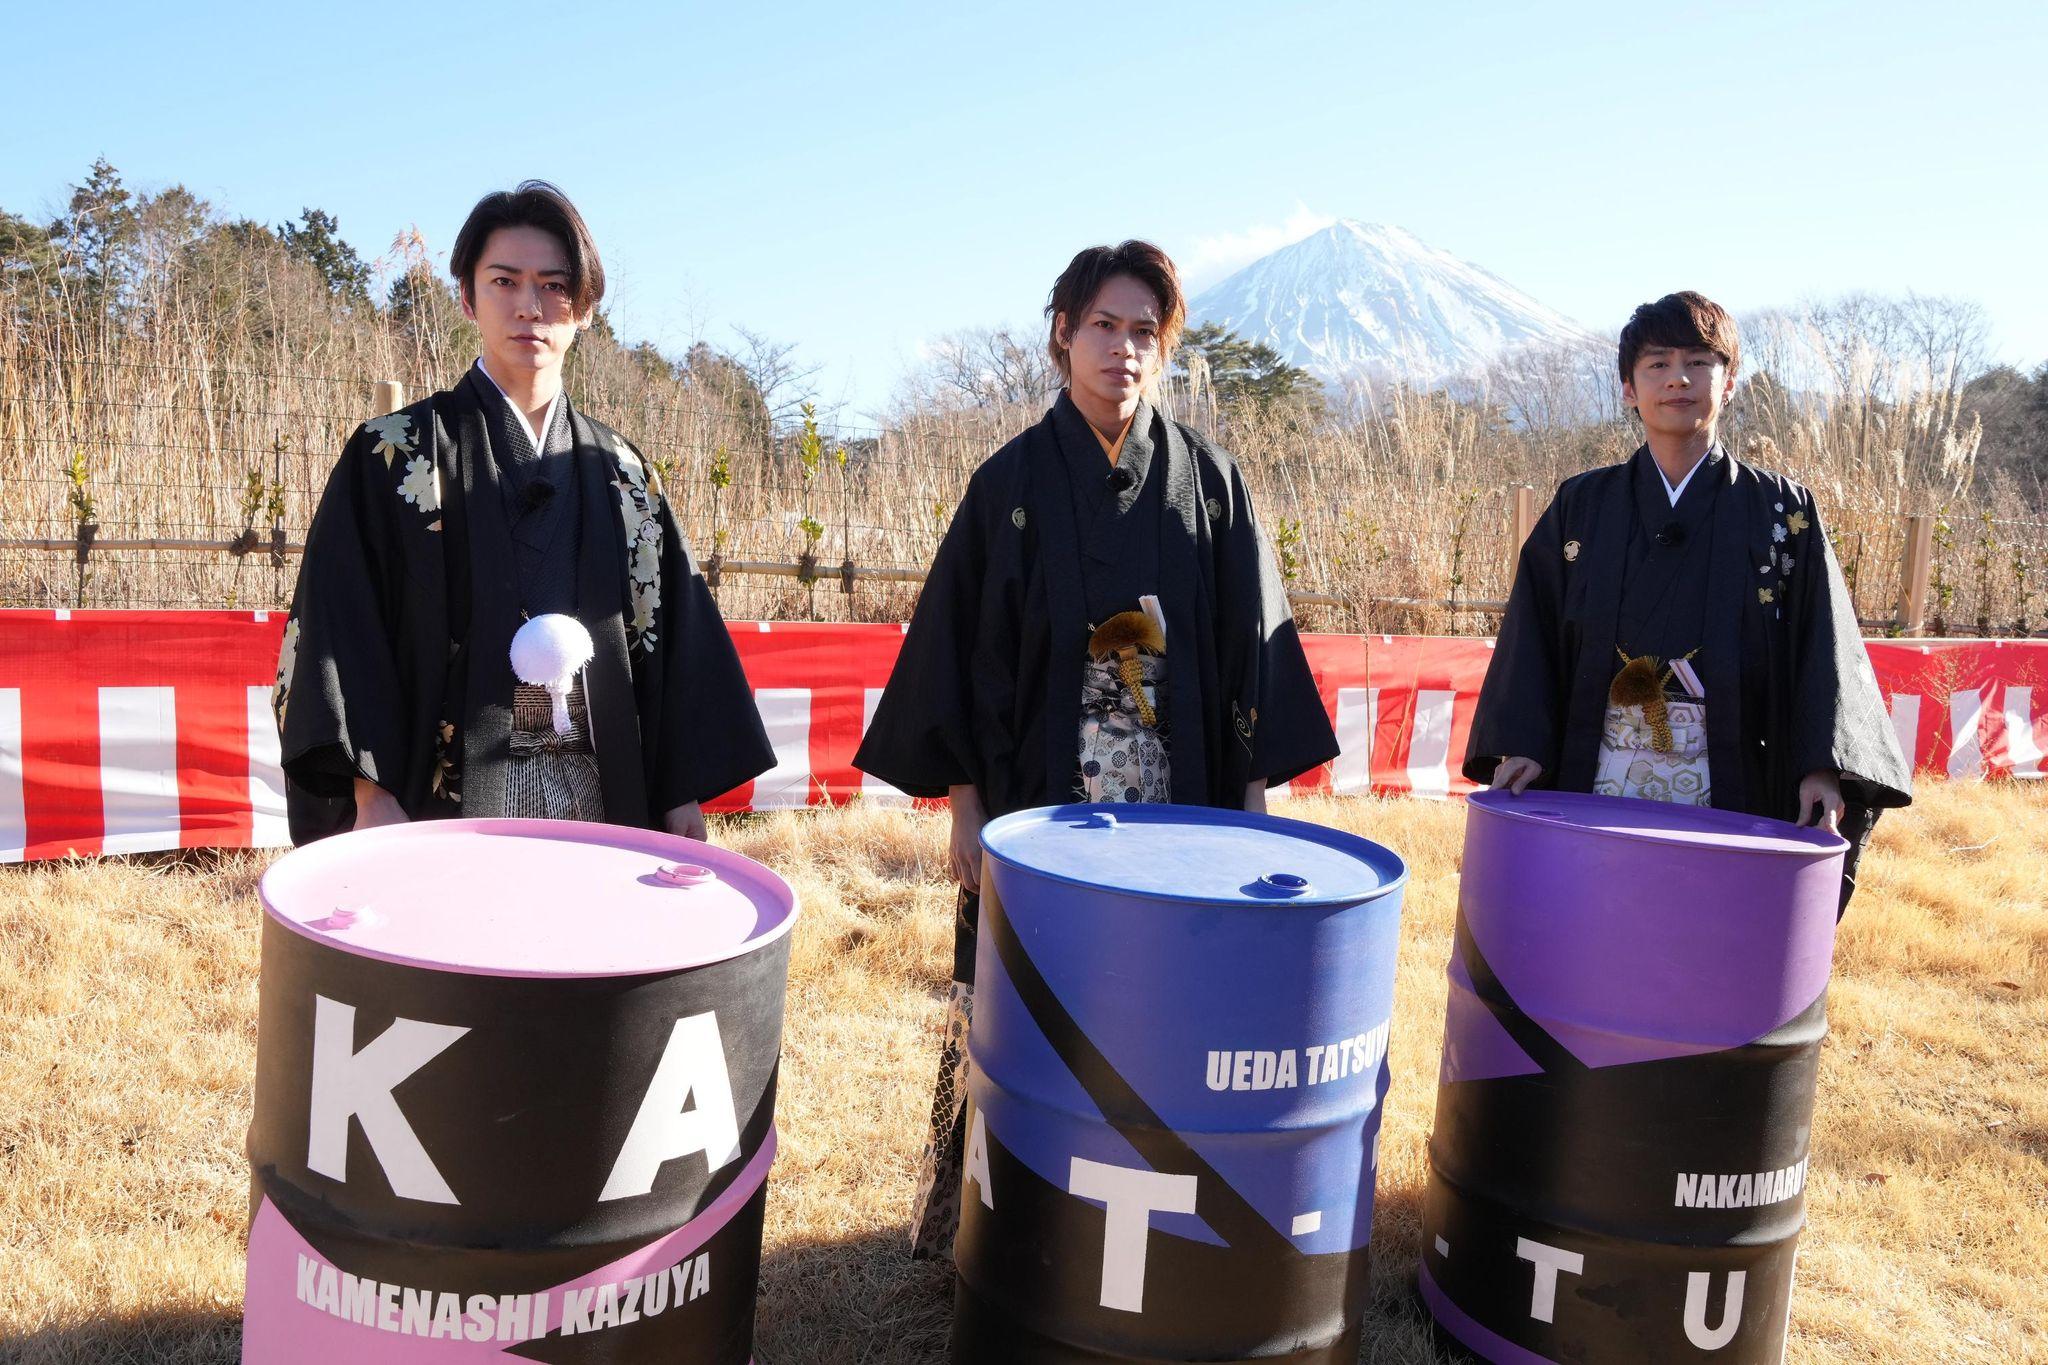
pixel 316 239
pixel 98 234
pixel 1250 372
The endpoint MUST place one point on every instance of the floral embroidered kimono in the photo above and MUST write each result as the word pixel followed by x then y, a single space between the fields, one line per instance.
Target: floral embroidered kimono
pixel 419 567
pixel 1734 593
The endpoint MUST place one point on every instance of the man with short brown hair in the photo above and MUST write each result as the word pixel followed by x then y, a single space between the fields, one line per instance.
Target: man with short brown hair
pixel 1679 629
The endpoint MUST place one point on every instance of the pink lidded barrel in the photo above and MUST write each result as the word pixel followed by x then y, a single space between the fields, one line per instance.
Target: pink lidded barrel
pixel 515 1092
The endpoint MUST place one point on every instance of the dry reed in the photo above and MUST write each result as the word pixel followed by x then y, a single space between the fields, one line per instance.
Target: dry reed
pixel 217 400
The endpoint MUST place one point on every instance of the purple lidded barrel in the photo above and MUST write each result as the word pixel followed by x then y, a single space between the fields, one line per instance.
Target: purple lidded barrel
pixel 515 1091
pixel 1637 1001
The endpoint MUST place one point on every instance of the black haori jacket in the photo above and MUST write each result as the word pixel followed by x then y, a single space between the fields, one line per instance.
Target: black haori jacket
pixel 395 667
pixel 987 689
pixel 1788 682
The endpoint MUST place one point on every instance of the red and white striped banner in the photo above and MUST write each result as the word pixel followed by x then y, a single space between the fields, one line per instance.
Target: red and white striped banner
pixel 122 732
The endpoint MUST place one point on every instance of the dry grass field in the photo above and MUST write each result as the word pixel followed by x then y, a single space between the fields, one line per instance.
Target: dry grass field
pixel 127 1040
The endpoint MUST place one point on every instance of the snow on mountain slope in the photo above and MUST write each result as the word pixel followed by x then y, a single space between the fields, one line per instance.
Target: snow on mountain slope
pixel 1362 300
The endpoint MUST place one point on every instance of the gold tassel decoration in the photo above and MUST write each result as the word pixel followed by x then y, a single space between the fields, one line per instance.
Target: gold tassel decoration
pixel 1640 684
pixel 1123 637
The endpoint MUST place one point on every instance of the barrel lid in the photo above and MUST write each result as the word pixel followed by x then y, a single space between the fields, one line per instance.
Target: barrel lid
pixel 1659 822
pixel 1195 854
pixel 543 898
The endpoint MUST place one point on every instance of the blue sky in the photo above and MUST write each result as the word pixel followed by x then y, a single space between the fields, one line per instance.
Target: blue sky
pixel 856 178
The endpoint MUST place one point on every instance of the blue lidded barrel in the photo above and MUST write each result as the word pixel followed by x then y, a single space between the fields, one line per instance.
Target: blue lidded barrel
pixel 1179 1056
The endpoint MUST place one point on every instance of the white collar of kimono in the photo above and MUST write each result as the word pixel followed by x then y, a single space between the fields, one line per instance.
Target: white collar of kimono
pixel 1674 492
pixel 547 419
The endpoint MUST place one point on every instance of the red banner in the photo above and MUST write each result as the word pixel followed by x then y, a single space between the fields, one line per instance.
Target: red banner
pixel 127 731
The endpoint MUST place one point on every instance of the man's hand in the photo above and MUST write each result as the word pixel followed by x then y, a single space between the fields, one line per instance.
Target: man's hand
pixel 1255 798
pixel 375 806
pixel 1820 800
pixel 964 848
pixel 688 821
pixel 1516 774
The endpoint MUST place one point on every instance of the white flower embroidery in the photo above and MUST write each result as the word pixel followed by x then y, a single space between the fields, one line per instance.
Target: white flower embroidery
pixel 639 514
pixel 1786 564
pixel 287 664
pixel 1777 533
pixel 646 561
pixel 422 484
pixel 394 435
pixel 1763 568
pixel 1779 506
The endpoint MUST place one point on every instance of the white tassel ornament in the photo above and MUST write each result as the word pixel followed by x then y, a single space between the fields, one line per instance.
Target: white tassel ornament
pixel 549 651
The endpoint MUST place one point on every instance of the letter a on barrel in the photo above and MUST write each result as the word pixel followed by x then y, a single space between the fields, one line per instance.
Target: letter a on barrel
pixel 488 1126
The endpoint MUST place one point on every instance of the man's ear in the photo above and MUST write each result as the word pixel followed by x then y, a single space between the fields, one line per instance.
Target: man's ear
pixel 1628 393
pixel 1060 332
pixel 468 305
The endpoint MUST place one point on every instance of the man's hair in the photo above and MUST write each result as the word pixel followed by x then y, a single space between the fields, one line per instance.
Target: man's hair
pixel 1084 277
pixel 1684 321
pixel 535 204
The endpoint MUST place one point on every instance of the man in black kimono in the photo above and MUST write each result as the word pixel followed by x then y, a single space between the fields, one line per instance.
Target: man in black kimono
pixel 447 524
pixel 1102 511
pixel 1679 629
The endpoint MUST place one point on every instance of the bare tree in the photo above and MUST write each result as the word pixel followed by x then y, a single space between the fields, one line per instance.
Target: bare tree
pixel 992 367
pixel 782 381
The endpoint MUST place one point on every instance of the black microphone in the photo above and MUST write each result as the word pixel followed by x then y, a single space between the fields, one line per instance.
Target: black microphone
pixel 1120 479
pixel 536 495
pixel 1672 535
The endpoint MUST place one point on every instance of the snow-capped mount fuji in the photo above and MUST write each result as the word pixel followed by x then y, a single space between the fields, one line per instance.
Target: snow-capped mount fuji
pixel 1360 300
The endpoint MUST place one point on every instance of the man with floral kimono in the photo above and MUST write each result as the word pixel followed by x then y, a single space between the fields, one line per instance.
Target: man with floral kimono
pixel 448 524
pixel 1679 629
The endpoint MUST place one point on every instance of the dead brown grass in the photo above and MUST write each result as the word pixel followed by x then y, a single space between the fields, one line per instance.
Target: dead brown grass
pixel 127 1006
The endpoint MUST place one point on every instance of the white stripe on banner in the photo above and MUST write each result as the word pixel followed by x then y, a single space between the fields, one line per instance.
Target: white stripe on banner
pixel 1966 755
pixel 873 788
pixel 1906 726
pixel 1358 716
pixel 139 768
pixel 13 809
pixel 786 711
pixel 268 827
pixel 1429 749
pixel 2022 750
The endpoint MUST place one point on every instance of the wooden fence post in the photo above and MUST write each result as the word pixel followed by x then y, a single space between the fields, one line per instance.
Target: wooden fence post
pixel 388 396
pixel 1915 565
pixel 1524 522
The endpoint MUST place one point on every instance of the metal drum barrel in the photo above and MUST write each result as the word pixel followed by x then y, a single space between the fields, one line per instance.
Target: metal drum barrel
pixel 1637 1001
pixel 515 1091
pixel 1178 1056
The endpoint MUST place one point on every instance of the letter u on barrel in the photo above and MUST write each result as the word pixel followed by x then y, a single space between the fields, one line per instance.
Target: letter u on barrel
pixel 1637 1000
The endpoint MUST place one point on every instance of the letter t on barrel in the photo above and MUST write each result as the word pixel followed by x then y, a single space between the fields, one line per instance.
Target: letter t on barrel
pixel 1548 1260
pixel 1129 1198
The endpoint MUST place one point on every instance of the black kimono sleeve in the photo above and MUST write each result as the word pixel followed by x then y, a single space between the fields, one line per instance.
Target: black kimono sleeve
pixel 1521 710
pixel 921 740
pixel 704 733
pixel 354 643
pixel 1838 721
pixel 1290 730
